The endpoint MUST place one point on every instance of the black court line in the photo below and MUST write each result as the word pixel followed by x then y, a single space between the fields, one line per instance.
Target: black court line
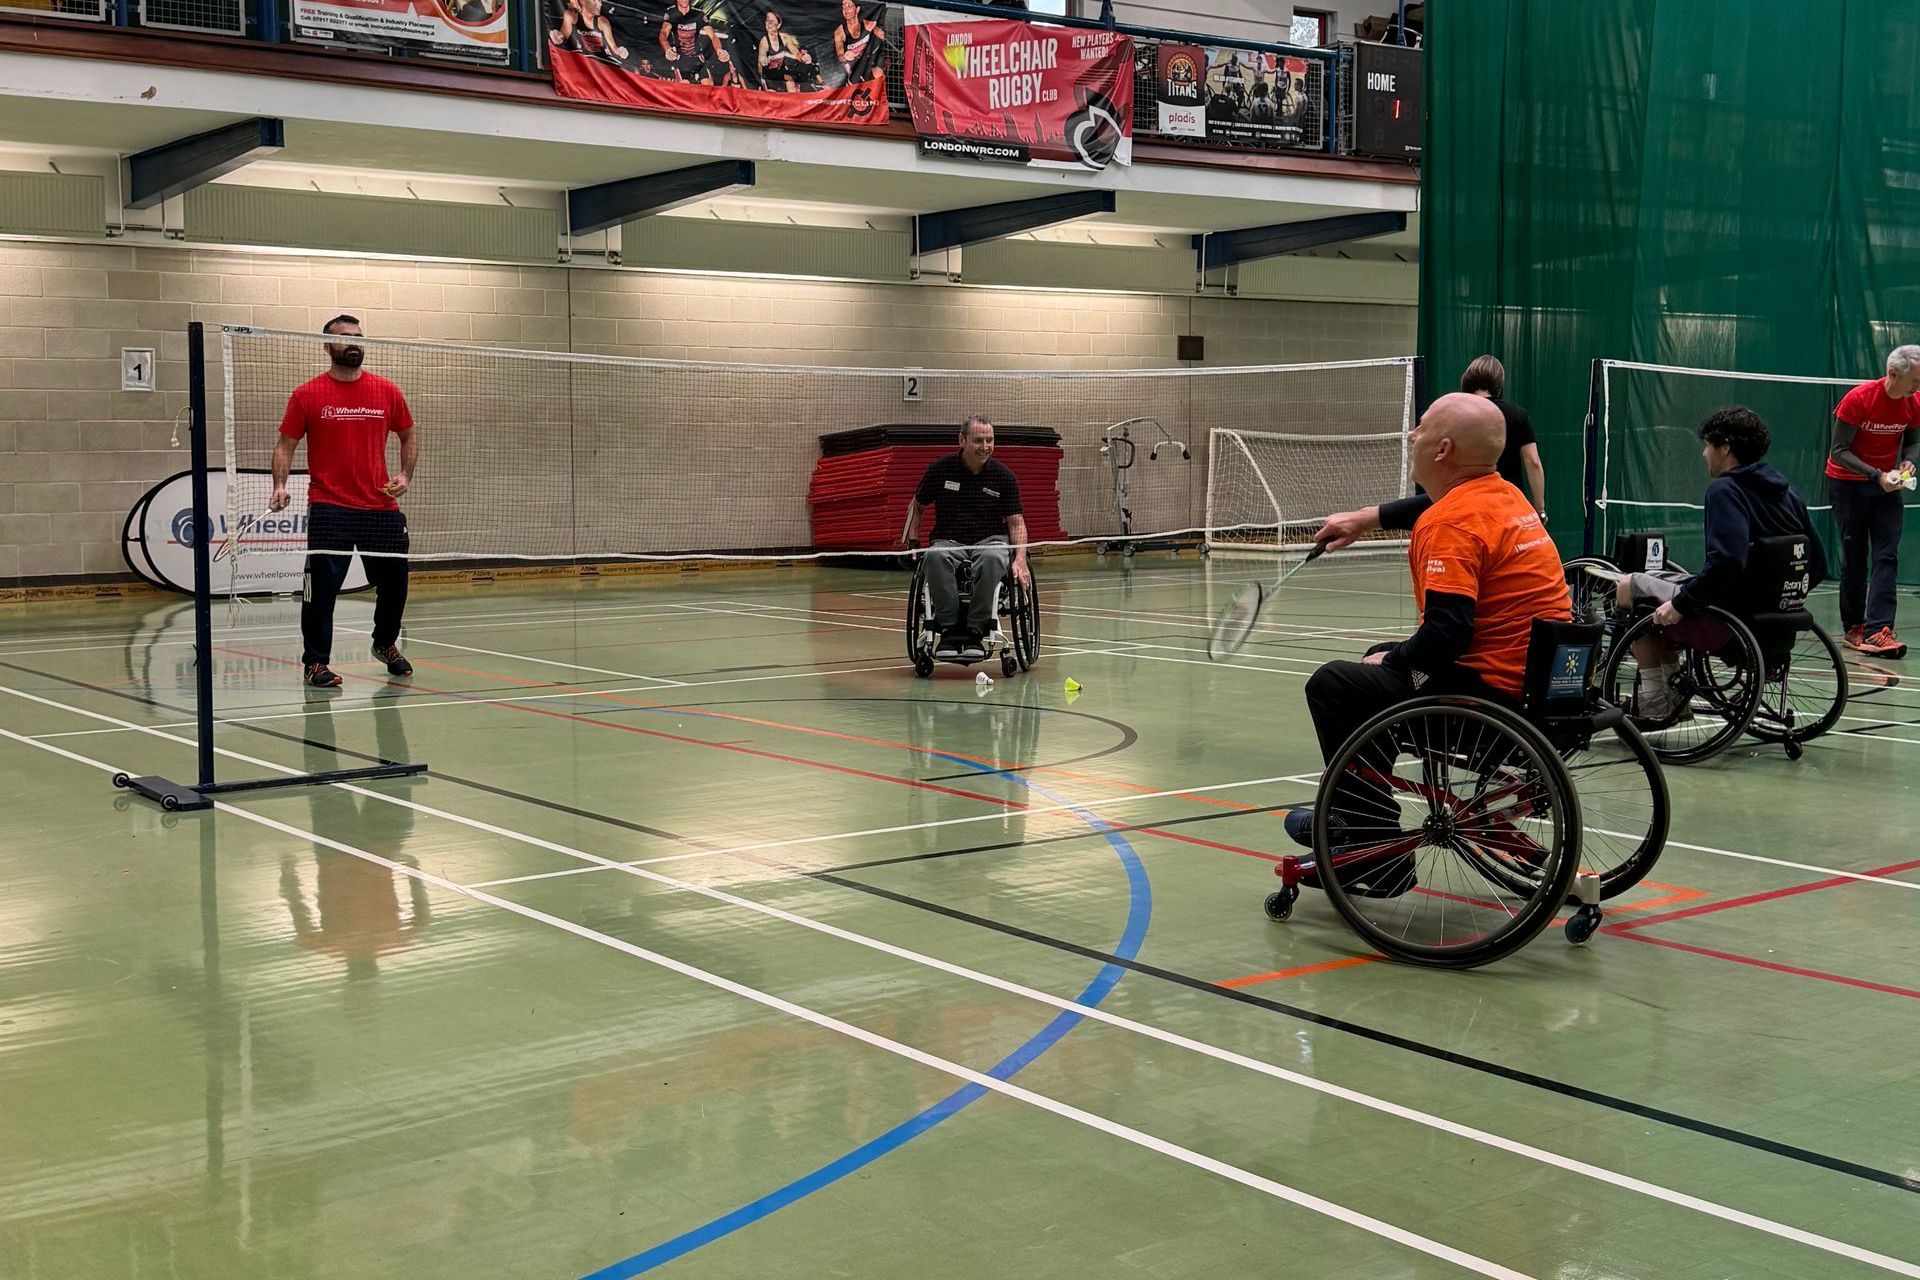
pixel 1499 1070
pixel 1027 844
pixel 503 792
pixel 1515 1075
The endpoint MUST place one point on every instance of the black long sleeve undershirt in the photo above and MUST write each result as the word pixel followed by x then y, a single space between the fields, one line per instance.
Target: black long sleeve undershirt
pixel 1841 452
pixel 1445 635
pixel 1402 512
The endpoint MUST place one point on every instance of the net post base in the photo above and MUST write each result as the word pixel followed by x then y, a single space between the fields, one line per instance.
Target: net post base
pixel 316 779
pixel 171 796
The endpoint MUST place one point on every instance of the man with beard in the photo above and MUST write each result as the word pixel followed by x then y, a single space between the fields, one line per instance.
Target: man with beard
pixel 345 415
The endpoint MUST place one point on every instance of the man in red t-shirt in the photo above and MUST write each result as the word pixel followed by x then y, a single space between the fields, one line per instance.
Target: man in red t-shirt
pixel 345 415
pixel 1876 443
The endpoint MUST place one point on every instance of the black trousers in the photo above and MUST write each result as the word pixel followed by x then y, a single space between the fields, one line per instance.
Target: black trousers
pixel 1342 696
pixel 1869 521
pixel 346 530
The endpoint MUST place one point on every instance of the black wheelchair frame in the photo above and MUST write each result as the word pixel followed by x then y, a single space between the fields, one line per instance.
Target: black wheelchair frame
pixel 1016 644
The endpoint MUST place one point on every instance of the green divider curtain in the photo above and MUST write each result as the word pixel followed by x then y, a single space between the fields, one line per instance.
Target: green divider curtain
pixel 1724 184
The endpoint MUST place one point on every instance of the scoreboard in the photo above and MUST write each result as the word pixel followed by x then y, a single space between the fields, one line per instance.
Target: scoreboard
pixel 1387 111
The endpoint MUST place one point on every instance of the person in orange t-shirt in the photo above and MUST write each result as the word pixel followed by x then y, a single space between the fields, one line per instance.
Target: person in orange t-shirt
pixel 1483 569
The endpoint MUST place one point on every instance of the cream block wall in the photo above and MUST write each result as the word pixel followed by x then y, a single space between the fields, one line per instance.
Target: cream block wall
pixel 75 451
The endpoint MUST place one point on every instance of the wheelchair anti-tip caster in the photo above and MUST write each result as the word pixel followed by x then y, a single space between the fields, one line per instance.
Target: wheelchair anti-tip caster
pixel 923 666
pixel 1586 920
pixel 1280 902
pixel 1795 750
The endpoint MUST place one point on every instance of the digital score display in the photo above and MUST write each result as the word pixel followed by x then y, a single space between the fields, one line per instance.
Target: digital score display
pixel 1387 112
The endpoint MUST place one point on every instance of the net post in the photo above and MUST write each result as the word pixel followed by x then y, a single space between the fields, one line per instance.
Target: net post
pixel 202 551
pixel 1589 479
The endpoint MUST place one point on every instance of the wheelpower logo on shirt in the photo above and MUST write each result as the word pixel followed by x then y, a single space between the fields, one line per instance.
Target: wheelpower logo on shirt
pixel 353 413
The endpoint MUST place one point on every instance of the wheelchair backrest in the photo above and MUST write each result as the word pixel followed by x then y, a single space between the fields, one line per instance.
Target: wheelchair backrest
pixel 1562 662
pixel 1779 574
pixel 1640 552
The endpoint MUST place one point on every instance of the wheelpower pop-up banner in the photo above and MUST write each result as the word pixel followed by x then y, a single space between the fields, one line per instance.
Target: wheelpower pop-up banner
pixel 1246 96
pixel 475 30
pixel 822 61
pixel 1015 92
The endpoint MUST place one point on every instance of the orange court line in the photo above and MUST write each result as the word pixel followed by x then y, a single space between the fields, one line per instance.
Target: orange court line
pixel 1674 894
pixel 1301 971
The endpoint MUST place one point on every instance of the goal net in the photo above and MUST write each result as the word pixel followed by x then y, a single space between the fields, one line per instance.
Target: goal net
pixel 1645 474
pixel 537 455
pixel 1268 491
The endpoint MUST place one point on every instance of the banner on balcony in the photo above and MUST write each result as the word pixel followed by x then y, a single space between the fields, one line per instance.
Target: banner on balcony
pixel 1016 92
pixel 813 60
pixel 1247 96
pixel 472 29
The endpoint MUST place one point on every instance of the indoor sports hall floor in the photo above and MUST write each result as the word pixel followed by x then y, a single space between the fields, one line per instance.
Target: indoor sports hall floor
pixel 717 943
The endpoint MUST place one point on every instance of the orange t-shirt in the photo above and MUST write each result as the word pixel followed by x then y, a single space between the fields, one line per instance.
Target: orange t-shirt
pixel 1483 541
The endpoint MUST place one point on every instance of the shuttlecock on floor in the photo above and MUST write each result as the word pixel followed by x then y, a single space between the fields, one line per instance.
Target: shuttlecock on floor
pixel 983 680
pixel 1073 686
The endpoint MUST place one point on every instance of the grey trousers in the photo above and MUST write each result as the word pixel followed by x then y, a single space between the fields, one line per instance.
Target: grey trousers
pixel 990 560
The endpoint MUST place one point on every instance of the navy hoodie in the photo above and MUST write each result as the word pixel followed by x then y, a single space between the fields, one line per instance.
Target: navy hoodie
pixel 1746 504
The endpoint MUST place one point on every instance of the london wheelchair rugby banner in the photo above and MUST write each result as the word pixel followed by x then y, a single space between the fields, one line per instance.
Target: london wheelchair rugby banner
pixel 1020 93
pixel 822 61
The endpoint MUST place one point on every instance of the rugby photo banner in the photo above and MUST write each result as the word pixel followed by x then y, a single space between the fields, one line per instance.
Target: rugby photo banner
pixel 1020 93
pixel 822 61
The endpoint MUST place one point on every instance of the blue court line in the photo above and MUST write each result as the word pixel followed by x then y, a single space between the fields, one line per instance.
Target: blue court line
pixel 1139 913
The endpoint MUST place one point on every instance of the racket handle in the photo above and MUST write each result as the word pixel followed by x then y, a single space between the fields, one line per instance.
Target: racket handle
pixel 1319 549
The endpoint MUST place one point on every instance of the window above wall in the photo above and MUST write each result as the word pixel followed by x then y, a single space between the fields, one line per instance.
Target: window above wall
pixel 1311 28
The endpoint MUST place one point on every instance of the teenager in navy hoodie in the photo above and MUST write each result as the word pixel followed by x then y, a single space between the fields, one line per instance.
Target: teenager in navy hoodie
pixel 1746 500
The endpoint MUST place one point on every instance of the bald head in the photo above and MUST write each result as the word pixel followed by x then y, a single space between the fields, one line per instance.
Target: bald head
pixel 1460 437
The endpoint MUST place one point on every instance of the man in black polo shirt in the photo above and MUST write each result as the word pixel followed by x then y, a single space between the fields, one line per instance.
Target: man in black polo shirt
pixel 976 504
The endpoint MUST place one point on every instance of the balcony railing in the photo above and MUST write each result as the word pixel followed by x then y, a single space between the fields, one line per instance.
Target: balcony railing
pixel 1267 97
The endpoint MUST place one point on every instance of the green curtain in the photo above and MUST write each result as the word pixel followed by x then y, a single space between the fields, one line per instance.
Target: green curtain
pixel 1721 184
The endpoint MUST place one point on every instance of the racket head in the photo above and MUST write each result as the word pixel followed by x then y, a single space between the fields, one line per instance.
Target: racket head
pixel 1234 626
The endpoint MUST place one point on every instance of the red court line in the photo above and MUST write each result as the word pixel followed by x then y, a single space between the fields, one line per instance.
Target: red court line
pixel 1301 971
pixel 1756 963
pixel 741 750
pixel 1754 899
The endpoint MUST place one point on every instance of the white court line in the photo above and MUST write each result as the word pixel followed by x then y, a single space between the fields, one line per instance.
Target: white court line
pixel 1126 1133
pixel 546 662
pixel 998 815
pixel 1539 1155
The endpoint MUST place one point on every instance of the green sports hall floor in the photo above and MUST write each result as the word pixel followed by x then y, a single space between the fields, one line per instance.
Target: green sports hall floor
pixel 821 1020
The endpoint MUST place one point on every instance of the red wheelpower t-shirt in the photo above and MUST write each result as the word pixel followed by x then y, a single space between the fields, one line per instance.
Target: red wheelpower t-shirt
pixel 345 425
pixel 1879 424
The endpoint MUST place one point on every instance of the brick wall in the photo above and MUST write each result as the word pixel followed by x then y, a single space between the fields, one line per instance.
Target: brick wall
pixel 75 452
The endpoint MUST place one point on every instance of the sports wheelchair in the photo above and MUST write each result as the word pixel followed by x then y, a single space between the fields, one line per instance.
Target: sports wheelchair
pixel 1765 669
pixel 1015 639
pixel 1464 825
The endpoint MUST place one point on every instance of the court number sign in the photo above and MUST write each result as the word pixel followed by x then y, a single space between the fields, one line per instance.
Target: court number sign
pixel 913 388
pixel 1387 86
pixel 136 369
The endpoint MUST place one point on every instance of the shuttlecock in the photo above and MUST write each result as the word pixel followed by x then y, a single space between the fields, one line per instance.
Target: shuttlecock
pixel 1073 686
pixel 983 680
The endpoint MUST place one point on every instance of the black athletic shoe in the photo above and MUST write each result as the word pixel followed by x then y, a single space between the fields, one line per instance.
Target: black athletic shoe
pixel 397 664
pixel 321 676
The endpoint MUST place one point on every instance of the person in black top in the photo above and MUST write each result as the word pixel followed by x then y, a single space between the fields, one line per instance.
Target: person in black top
pixel 682 34
pixel 1519 466
pixel 976 504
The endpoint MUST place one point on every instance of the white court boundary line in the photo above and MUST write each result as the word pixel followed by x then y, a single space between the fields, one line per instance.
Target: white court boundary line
pixel 1126 1133
pixel 1597 1173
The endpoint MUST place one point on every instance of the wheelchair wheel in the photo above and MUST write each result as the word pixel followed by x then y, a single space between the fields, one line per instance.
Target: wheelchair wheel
pixel 1593 595
pixel 919 653
pixel 1024 615
pixel 1715 684
pixel 1805 691
pixel 1624 807
pixel 1458 834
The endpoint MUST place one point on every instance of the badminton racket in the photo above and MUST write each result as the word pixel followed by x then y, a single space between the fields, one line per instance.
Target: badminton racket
pixel 1236 622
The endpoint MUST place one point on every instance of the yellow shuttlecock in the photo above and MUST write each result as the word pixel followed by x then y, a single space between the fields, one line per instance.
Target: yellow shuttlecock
pixel 1073 690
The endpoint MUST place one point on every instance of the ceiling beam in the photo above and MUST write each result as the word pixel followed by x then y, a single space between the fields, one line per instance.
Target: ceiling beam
pixel 1224 248
pixel 173 167
pixel 608 204
pixel 933 232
